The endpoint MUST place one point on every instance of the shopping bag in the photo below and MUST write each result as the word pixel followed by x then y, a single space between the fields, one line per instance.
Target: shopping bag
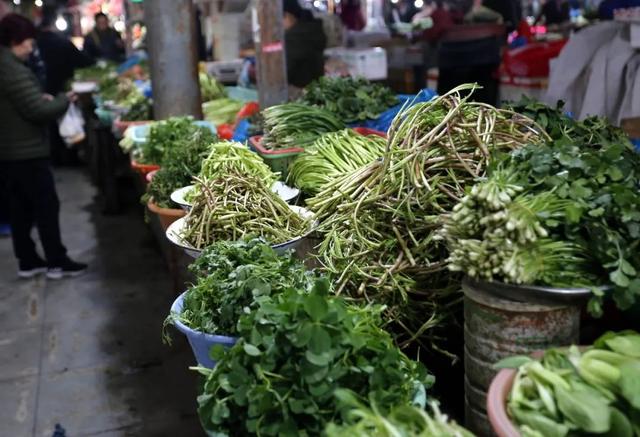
pixel 71 125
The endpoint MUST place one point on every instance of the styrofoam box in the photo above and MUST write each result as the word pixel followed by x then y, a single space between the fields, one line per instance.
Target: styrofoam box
pixel 369 63
pixel 225 71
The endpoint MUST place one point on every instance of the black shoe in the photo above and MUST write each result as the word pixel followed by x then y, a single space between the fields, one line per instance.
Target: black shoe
pixel 27 270
pixel 68 269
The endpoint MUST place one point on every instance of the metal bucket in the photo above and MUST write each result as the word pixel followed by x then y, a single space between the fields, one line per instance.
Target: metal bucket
pixel 496 327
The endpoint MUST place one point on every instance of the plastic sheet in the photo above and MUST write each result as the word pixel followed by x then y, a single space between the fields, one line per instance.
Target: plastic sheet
pixel 383 123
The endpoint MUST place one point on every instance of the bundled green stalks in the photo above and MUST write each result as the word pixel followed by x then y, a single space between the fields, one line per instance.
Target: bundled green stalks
pixel 296 125
pixel 380 222
pixel 232 205
pixel 226 157
pixel 140 109
pixel 221 111
pixel 570 392
pixel 498 233
pixel 348 98
pixel 210 88
pixel 333 155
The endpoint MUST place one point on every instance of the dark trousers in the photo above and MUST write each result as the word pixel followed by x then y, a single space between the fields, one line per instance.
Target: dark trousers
pixel 33 201
pixel 484 75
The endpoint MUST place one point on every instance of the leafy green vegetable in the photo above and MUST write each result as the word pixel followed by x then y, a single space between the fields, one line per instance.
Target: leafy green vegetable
pixel 221 111
pixel 180 163
pixel 296 125
pixel 140 108
pixel 230 277
pixel 168 137
pixel 292 355
pixel 574 392
pixel 401 421
pixel 592 165
pixel 348 98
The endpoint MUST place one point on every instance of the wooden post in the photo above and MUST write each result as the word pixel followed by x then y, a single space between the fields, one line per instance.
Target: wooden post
pixel 268 34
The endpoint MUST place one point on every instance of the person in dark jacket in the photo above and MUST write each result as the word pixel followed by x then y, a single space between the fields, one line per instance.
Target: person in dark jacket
pixel 24 155
pixel 305 42
pixel 61 58
pixel 104 42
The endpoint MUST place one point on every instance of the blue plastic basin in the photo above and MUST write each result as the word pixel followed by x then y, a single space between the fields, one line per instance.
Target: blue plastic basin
pixel 200 342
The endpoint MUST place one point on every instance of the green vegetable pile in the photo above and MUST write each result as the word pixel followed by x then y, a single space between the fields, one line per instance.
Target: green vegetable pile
pixel 210 88
pixel 139 107
pixel 179 165
pixel 230 277
pixel 227 156
pixel 97 72
pixel 593 169
pixel 331 156
pixel 233 205
pixel 348 98
pixel 573 392
pixel 295 349
pixel 164 136
pixel 401 421
pixel 380 223
pixel 221 111
pixel 498 233
pixel 293 125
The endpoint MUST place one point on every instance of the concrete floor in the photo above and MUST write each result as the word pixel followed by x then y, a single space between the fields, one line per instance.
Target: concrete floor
pixel 87 352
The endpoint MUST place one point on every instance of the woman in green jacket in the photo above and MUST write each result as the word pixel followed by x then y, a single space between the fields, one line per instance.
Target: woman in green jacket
pixel 25 112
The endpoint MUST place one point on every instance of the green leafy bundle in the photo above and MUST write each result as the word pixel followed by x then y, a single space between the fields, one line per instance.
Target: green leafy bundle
pixel 498 233
pixel 593 166
pixel 140 109
pixel 333 155
pixel 295 350
pixel 96 72
pixel 221 111
pixel 348 98
pixel 210 88
pixel 233 205
pixel 401 421
pixel 379 223
pixel 296 125
pixel 573 392
pixel 167 137
pixel 230 277
pixel 180 164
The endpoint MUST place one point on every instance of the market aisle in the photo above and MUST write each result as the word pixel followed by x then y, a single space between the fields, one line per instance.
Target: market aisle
pixel 87 352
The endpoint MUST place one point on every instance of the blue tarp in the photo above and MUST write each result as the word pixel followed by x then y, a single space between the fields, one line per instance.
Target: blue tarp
pixel 637 144
pixel 241 133
pixel 383 123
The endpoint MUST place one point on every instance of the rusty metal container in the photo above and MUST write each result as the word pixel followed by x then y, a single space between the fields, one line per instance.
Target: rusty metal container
pixel 497 327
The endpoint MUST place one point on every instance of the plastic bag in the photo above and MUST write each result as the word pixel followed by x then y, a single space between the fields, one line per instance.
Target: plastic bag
pixel 71 126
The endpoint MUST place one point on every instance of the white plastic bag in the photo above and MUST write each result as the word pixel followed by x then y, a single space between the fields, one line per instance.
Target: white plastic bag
pixel 71 125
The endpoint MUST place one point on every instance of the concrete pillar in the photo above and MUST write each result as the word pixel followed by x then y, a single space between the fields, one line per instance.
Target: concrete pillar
pixel 173 59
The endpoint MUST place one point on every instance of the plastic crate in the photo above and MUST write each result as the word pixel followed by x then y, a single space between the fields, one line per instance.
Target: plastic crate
pixel 277 160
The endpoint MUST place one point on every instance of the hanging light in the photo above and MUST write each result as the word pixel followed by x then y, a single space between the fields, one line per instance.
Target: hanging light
pixel 16 2
pixel 61 23
pixel 38 3
pixel 418 4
